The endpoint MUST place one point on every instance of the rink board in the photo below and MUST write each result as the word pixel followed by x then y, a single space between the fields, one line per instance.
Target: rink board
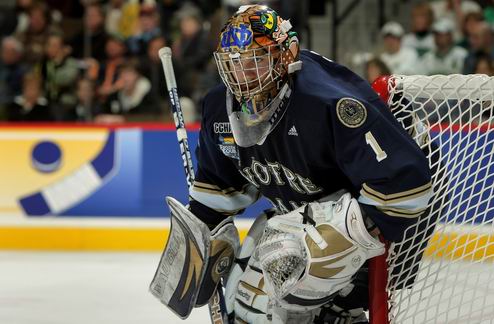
pixel 114 171
pixel 90 234
pixel 124 173
pixel 151 235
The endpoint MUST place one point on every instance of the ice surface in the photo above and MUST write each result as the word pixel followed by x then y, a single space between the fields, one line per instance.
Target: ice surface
pixel 82 288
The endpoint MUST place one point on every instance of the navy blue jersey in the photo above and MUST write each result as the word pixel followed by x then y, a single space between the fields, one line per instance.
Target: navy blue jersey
pixel 336 134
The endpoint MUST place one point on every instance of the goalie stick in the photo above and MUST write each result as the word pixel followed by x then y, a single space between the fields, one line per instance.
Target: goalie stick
pixel 216 305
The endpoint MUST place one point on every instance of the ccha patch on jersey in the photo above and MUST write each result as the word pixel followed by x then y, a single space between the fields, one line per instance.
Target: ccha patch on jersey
pixel 351 112
pixel 228 147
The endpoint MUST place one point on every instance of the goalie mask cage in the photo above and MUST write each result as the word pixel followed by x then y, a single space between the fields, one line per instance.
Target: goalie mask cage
pixel 443 270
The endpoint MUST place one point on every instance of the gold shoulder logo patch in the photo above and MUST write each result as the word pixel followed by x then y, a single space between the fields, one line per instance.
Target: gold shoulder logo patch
pixel 351 112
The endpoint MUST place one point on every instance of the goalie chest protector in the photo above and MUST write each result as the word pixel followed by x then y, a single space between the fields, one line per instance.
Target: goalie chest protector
pixel 332 136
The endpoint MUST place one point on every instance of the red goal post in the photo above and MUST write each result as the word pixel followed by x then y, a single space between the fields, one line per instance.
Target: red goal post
pixel 442 271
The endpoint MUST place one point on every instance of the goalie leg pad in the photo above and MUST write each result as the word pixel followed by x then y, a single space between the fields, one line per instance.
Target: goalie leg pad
pixel 252 305
pixel 225 243
pixel 178 281
pixel 248 245
pixel 244 293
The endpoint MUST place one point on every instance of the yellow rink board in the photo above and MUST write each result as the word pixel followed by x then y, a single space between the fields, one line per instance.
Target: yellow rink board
pixel 134 235
pixel 18 176
pixel 85 239
pixel 465 246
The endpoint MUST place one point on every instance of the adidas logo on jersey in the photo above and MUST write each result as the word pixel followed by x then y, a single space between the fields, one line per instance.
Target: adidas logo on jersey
pixel 293 131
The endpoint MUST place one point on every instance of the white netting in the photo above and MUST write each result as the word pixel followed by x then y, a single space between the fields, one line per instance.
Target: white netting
pixel 450 279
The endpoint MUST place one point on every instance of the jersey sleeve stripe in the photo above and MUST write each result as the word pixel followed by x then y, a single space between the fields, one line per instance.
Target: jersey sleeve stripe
pixel 401 212
pixel 216 191
pixel 396 197
pixel 229 202
pixel 209 188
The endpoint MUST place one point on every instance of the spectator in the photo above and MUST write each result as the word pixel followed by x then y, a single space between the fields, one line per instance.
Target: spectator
pixel 484 65
pixel 446 58
pixel 192 50
pixel 129 21
pixel 114 16
pixel 91 41
pixel 59 72
pixel 148 29
pixel 31 105
pixel 469 23
pixel 375 68
pixel 108 73
pixel 36 35
pixel 167 10
pixel 152 69
pixel 68 10
pixel 456 11
pixel 481 43
pixel 133 100
pixel 420 39
pixel 17 17
pixel 12 70
pixel 87 106
pixel 399 59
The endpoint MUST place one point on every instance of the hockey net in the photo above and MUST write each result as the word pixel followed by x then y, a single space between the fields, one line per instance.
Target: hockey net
pixel 443 269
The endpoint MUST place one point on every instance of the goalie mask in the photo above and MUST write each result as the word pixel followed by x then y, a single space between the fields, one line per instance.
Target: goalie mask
pixel 256 54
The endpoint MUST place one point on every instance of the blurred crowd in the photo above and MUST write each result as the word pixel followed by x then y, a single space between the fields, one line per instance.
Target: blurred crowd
pixel 97 61
pixel 444 37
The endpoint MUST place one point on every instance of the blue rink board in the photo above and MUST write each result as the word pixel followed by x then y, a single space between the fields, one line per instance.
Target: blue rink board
pixel 472 182
pixel 149 167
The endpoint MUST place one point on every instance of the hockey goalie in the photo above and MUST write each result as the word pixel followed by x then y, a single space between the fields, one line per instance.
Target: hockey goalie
pixel 313 138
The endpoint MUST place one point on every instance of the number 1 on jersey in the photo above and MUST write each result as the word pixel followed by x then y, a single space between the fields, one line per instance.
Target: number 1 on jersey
pixel 371 140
